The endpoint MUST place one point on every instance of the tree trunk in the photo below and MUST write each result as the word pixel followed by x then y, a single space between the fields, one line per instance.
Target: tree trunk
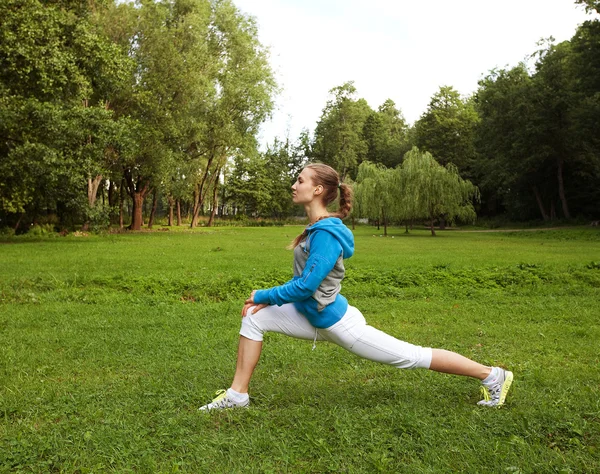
pixel 178 212
pixel 353 225
pixel 92 192
pixel 561 189
pixel 214 204
pixel 199 194
pixel 138 205
pixel 111 194
pixel 538 198
pixel 432 226
pixel 121 203
pixel 153 212
pixel 122 196
pixel 19 221
pixel 138 192
pixel 93 189
pixel 384 222
pixel 214 182
pixel 196 208
pixel 171 204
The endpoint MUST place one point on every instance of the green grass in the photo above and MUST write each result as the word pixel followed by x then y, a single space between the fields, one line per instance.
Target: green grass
pixel 108 345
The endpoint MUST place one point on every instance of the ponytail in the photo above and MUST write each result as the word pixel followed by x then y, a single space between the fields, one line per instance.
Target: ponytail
pixel 346 196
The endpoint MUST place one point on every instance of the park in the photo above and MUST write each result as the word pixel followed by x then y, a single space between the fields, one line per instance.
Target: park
pixel 141 205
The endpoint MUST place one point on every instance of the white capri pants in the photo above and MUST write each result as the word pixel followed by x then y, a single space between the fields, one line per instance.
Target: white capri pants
pixel 351 332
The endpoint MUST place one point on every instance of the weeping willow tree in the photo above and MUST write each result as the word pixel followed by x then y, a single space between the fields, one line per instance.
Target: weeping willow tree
pixel 376 192
pixel 420 188
pixel 432 191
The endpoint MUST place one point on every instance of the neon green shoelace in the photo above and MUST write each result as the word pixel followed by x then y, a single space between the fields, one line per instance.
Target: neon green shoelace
pixel 219 395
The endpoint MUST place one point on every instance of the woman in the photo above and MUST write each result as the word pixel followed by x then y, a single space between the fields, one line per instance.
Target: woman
pixel 310 305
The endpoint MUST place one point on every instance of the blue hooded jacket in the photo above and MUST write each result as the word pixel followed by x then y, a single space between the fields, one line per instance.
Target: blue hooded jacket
pixel 327 239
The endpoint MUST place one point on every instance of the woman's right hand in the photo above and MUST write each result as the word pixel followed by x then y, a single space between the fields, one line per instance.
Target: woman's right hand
pixel 257 308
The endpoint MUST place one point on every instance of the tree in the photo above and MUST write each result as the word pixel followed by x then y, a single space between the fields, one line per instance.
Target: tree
pixel 553 88
pixel 249 185
pixel 377 192
pixel 431 190
pixel 201 87
pixel 447 128
pixel 55 124
pixel 338 138
pixel 585 63
pixel 385 133
pixel 166 41
pixel 243 87
pixel 178 187
pixel 537 139
pixel 590 5
pixel 260 185
pixel 509 168
pixel 130 95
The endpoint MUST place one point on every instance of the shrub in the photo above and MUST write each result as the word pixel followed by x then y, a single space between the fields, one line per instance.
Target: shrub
pixel 7 232
pixel 41 230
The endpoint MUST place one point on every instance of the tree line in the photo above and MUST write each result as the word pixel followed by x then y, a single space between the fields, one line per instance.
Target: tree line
pixel 157 105
pixel 528 137
pixel 133 99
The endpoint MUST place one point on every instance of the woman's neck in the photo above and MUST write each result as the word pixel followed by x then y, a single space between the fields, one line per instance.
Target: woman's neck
pixel 315 212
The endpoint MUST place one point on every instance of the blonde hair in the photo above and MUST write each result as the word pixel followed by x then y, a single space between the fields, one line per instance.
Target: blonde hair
pixel 324 175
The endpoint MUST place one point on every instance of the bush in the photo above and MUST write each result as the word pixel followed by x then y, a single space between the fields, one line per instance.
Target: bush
pixel 41 230
pixel 98 218
pixel 50 219
pixel 7 232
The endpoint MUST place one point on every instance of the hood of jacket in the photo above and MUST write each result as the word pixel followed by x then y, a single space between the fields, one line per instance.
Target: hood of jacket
pixel 338 229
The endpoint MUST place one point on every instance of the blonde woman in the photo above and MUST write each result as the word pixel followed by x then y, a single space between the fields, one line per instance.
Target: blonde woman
pixel 310 305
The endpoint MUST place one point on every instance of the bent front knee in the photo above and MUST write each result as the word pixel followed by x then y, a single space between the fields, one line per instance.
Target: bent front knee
pixel 250 329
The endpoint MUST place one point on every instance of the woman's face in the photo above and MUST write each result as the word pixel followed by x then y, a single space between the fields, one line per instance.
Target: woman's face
pixel 303 190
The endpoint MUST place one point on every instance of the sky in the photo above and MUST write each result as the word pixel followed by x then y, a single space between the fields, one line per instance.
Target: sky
pixel 402 50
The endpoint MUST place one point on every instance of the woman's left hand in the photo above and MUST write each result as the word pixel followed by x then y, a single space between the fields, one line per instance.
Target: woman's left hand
pixel 249 303
pixel 255 308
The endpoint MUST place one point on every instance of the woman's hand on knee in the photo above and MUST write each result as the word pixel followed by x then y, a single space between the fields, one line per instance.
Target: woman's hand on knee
pixel 249 303
pixel 256 308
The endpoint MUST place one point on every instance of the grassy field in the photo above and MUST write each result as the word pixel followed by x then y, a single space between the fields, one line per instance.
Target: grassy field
pixel 109 344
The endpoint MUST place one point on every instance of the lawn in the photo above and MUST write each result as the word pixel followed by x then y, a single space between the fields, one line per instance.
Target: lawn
pixel 110 343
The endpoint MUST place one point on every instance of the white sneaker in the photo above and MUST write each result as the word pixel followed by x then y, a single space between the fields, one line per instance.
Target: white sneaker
pixel 495 395
pixel 223 401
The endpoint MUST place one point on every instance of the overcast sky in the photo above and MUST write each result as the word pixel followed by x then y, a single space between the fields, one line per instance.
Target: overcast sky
pixel 398 49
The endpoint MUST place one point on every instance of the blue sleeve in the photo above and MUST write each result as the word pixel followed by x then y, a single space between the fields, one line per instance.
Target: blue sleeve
pixel 325 249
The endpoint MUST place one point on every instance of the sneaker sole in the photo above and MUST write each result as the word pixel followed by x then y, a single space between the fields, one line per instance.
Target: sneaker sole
pixel 247 405
pixel 508 380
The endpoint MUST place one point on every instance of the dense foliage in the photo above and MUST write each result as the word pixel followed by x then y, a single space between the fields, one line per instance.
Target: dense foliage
pixel 419 188
pixel 125 99
pixel 106 104
pixel 528 137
